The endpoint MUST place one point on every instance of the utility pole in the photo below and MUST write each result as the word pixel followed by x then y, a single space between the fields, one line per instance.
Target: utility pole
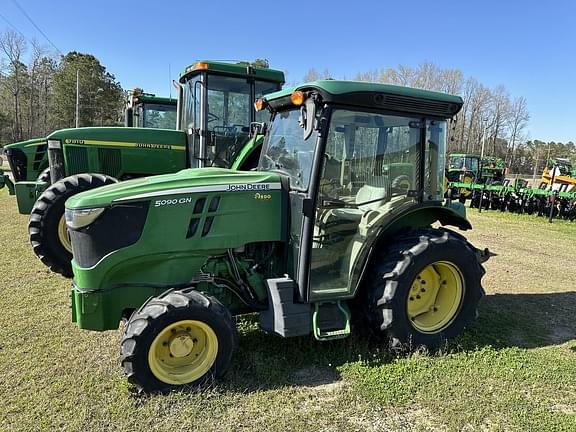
pixel 77 98
pixel 484 121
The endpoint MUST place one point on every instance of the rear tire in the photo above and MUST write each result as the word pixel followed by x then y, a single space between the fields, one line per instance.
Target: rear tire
pixel 47 229
pixel 424 288
pixel 182 337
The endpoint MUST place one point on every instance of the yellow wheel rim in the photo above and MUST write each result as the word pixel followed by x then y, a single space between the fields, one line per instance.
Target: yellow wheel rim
pixel 63 235
pixel 183 352
pixel 435 297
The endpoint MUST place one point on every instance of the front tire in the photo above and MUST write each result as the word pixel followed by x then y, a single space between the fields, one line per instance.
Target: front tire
pixel 424 288
pixel 182 337
pixel 47 227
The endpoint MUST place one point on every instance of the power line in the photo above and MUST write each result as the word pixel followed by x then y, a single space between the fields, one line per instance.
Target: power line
pixel 36 27
pixel 13 26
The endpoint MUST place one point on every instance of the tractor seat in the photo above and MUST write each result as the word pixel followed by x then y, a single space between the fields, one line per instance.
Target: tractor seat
pixel 375 195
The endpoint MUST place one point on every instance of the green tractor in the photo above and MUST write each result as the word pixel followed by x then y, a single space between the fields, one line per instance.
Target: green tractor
pixel 28 159
pixel 217 126
pixel 492 170
pixel 319 235
pixel 463 167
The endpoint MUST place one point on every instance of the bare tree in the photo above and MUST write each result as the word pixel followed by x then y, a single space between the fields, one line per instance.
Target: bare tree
pixel 13 46
pixel 517 122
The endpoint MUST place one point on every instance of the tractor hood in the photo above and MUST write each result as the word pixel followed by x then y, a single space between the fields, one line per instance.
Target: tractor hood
pixel 121 136
pixel 169 186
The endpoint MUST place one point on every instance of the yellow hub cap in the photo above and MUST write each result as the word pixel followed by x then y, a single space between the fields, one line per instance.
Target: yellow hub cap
pixel 63 235
pixel 183 352
pixel 435 297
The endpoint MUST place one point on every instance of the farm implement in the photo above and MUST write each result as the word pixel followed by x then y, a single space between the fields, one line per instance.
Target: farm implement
pixel 517 197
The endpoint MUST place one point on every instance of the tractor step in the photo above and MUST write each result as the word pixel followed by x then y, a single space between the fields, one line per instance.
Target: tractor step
pixel 284 317
pixel 331 320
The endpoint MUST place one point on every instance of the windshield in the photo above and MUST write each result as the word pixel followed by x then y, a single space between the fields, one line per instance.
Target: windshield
pixel 463 162
pixel 159 116
pixel 286 151
pixel 227 114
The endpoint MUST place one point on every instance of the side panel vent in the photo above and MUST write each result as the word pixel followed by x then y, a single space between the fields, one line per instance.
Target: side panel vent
pixel 408 104
pixel 39 156
pixel 77 160
pixel 110 161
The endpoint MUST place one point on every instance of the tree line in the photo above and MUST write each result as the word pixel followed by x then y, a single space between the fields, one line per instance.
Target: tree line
pixel 38 90
pixel 490 118
pixel 38 95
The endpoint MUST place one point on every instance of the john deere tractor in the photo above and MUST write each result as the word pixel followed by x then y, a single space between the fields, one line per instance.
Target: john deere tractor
pixel 320 234
pixel 215 119
pixel 28 159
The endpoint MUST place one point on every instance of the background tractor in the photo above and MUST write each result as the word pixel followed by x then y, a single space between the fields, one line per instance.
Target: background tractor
pixel 320 234
pixel 215 117
pixel 28 159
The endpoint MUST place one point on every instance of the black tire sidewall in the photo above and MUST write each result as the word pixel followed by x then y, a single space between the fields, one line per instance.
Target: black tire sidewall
pixel 226 345
pixel 50 209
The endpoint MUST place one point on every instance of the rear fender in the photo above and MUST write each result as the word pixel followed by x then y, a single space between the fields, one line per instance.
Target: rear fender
pixel 376 235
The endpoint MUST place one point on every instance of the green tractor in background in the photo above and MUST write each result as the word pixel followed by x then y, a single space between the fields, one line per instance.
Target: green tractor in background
pixel 146 110
pixel 217 126
pixel 462 167
pixel 492 170
pixel 28 159
pixel 320 234
pixel 467 170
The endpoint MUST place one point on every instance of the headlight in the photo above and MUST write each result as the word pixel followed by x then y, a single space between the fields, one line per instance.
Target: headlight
pixel 78 218
pixel 54 144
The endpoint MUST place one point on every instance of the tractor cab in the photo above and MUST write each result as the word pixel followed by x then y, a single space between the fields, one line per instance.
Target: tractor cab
pixel 147 110
pixel 463 167
pixel 357 167
pixel 217 109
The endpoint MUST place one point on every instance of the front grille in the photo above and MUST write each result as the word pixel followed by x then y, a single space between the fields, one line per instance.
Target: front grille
pixel 39 156
pixel 117 227
pixel 110 161
pixel 17 162
pixel 77 160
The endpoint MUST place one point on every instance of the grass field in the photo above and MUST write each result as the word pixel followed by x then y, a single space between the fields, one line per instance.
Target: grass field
pixel 514 369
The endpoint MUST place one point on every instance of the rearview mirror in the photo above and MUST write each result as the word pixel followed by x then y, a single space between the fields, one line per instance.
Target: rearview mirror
pixel 308 117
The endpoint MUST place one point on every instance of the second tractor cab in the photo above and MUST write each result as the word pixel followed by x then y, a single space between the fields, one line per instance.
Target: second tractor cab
pixel 214 119
pixel 147 110
pixel 336 224
pixel 462 167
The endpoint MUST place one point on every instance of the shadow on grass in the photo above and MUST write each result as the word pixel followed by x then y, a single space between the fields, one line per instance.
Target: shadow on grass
pixel 266 362
pixel 522 320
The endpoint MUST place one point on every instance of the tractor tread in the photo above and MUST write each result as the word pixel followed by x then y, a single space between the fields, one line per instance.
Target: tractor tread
pixel 42 221
pixel 155 309
pixel 385 300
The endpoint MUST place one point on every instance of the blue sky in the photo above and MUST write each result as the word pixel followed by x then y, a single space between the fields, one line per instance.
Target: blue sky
pixel 527 46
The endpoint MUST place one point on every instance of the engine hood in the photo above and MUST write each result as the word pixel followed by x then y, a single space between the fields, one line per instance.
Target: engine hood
pixel 119 135
pixel 170 186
